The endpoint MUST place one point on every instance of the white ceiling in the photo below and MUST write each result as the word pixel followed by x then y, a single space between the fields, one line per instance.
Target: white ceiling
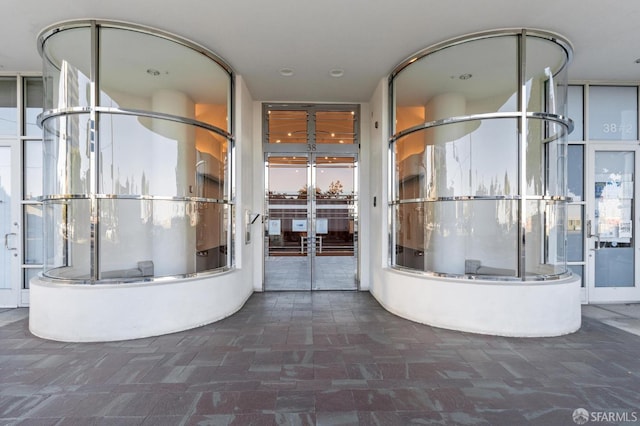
pixel 365 38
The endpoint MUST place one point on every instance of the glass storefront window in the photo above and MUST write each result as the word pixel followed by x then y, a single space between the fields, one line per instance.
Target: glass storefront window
pixel 287 126
pixel 33 102
pixel 613 113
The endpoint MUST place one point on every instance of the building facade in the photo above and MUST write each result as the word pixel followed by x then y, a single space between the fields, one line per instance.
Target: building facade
pixel 144 199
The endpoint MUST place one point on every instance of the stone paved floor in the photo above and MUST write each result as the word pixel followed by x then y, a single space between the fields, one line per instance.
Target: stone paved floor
pixel 327 358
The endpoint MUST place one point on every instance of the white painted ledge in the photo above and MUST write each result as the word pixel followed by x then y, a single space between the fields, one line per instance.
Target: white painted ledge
pixel 101 313
pixel 530 309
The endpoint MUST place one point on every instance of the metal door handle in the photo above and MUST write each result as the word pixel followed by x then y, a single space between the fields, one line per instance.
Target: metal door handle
pixel 597 239
pixel 6 241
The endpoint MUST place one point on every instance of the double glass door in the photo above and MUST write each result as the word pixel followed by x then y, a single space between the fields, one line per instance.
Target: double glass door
pixel 310 221
pixel 9 227
pixel 611 224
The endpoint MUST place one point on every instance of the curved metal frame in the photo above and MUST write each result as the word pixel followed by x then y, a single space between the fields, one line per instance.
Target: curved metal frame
pixel 521 115
pixel 94 25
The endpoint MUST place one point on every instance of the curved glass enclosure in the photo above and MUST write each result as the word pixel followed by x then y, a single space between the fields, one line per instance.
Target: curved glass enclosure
pixel 479 151
pixel 137 154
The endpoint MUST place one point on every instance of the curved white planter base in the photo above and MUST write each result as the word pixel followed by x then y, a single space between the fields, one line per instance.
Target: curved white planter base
pixel 101 313
pixel 531 309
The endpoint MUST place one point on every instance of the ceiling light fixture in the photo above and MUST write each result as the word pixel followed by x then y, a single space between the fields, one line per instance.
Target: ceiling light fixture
pixel 637 61
pixel 286 72
pixel 154 72
pixel 336 72
pixel 465 76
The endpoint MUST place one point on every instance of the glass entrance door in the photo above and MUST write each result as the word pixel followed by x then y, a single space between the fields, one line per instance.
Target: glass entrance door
pixel 611 225
pixel 9 227
pixel 311 222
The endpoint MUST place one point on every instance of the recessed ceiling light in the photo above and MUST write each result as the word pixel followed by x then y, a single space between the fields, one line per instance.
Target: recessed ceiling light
pixel 154 72
pixel 465 76
pixel 637 61
pixel 286 72
pixel 336 72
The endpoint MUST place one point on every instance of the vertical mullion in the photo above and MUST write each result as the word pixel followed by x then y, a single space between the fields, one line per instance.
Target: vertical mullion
pixel 522 149
pixel 93 166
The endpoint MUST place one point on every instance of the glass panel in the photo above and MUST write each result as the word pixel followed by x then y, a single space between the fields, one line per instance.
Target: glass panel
pixel 614 205
pixel 545 237
pixel 33 233
pixel 33 102
pixel 28 274
pixel 287 126
pixel 335 127
pixel 575 172
pixel 287 260
pixel 546 76
pixel 458 237
pixel 546 158
pixel 32 169
pixel 67 167
pixel 475 77
pixel 8 107
pixel 5 215
pixel 335 226
pixel 613 113
pixel 459 160
pixel 156 74
pixel 147 238
pixel 67 66
pixel 67 252
pixel 576 112
pixel 575 233
pixel 144 156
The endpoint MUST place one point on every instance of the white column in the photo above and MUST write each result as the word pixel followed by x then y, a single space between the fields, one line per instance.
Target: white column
pixel 174 156
pixel 444 248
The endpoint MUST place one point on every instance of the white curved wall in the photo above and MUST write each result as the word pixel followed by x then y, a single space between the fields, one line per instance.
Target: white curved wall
pixel 519 309
pixel 103 312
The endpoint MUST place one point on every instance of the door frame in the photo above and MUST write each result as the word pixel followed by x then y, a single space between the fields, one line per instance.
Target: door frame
pixel 610 294
pixel 11 297
pixel 312 211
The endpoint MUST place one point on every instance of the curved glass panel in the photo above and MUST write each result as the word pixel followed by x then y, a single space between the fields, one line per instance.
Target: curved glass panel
pixel 67 235
pixel 151 73
pixel 67 69
pixel 134 197
pixel 510 162
pixel 134 235
pixel 146 156
pixel 458 160
pixel 477 76
pixel 481 233
pixel 66 155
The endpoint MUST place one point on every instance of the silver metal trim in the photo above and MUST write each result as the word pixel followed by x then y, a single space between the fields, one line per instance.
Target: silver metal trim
pixel 63 197
pixel 547 35
pixel 547 198
pixel 484 116
pixel 45 115
pixel 471 277
pixel 123 25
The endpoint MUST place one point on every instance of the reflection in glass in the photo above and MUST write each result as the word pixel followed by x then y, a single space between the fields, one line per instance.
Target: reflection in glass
pixel 613 113
pixel 8 107
pixel 137 183
pixel 575 233
pixel 575 172
pixel 458 160
pixel 30 273
pixel 287 126
pixel 575 108
pixel 33 244
pixel 470 196
pixel 335 127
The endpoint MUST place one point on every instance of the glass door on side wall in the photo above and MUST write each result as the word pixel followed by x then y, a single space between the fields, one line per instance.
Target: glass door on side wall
pixel 9 227
pixel 310 224
pixel 611 224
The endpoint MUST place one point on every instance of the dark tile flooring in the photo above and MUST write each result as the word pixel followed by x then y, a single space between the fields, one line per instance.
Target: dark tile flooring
pixel 328 358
